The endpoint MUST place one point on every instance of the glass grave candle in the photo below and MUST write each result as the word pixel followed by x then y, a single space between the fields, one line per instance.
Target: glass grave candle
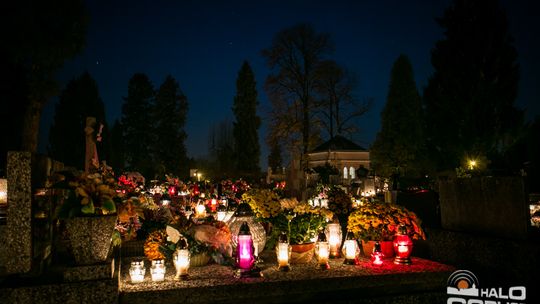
pixel 3 191
pixel 322 250
pixel 181 260
pixel 200 210
pixel 377 256
pixel 244 214
pixel 165 199
pixel 333 232
pixel 245 256
pixel 350 249
pixel 221 213
pixel 283 252
pixel 213 205
pixel 157 270
pixel 137 272
pixel 403 246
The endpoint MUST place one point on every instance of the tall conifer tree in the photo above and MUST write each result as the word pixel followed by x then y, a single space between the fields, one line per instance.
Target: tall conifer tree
pixel 469 99
pixel 399 143
pixel 170 113
pixel 137 125
pixel 247 122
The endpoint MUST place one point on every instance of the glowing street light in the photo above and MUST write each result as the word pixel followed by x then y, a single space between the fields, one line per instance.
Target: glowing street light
pixel 472 164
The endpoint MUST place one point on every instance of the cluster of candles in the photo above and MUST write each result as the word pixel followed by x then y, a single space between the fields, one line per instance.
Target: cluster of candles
pixel 329 243
pixel 325 248
pixel 318 202
pixel 181 259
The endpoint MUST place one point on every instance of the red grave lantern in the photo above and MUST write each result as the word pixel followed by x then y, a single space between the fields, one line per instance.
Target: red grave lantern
pixel 377 256
pixel 403 246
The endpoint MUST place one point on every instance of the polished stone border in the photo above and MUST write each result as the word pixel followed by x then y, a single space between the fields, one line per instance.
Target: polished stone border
pixel 304 283
pixel 18 240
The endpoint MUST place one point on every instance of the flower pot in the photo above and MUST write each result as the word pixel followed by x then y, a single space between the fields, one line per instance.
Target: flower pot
pixel 387 248
pixel 90 238
pixel 200 259
pixel 302 253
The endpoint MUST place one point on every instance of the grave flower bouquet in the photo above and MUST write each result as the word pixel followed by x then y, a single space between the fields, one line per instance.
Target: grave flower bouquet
pixel 299 220
pixel 377 221
pixel 209 238
pixel 89 194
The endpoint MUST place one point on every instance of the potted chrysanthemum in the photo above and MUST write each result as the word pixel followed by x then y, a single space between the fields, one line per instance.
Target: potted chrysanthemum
pixel 299 220
pixel 378 221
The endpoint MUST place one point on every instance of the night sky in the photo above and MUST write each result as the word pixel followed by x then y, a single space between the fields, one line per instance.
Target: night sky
pixel 202 44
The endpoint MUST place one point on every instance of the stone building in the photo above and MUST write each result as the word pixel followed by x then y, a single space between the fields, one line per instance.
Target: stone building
pixel 351 160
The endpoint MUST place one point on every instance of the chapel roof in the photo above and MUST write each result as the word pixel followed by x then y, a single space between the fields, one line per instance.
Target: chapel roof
pixel 338 143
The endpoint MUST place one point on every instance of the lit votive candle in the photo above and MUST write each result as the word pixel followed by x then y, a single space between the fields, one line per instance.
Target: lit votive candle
pixel 200 211
pixel 137 271
pixel 158 270
pixel 181 262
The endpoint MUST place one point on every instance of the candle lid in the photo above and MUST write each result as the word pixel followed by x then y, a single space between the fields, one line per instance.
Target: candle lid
pixel 377 247
pixel 322 237
pixel 243 210
pixel 402 230
pixel 244 229
pixel 182 244
pixel 165 197
pixel 283 237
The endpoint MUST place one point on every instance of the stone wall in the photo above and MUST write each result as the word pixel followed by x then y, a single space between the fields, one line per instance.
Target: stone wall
pixel 495 206
pixel 18 238
pixel 26 172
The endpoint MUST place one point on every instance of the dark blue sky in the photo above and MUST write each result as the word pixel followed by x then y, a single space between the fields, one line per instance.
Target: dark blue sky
pixel 203 44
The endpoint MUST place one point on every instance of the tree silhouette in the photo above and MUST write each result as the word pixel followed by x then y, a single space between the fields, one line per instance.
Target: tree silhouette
pixel 221 149
pixel 275 161
pixel 399 143
pixel 137 126
pixel 170 113
pixel 80 99
pixel 116 159
pixel 337 107
pixel 469 99
pixel 294 55
pixel 40 36
pixel 246 126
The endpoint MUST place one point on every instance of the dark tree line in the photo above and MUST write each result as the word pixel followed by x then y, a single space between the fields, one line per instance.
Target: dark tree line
pixel 399 145
pixel 247 123
pixel 37 37
pixel 152 128
pixel 468 107
pixel 469 99
pixel 149 137
pixel 234 149
pixel 80 99
pixel 308 92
